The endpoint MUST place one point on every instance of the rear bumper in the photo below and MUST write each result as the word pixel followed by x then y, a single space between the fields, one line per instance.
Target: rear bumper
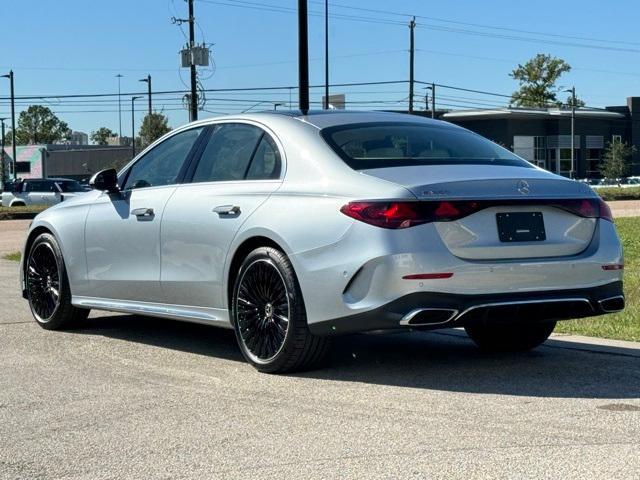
pixel 431 310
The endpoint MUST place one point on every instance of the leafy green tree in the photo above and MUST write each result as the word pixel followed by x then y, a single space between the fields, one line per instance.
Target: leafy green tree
pixel 537 79
pixel 616 159
pixel 154 125
pixel 38 124
pixel 100 136
pixel 579 102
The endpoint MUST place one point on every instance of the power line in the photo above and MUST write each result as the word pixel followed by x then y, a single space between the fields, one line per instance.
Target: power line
pixel 280 9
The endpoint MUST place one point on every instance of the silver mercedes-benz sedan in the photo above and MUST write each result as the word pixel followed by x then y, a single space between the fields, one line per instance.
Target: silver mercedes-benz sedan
pixel 291 228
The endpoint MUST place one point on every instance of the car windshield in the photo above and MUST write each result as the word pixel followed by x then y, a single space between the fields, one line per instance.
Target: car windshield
pixel 70 186
pixel 395 144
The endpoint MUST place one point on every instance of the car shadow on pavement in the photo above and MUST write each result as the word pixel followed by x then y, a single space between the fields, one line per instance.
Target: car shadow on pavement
pixel 159 332
pixel 448 360
pixel 443 360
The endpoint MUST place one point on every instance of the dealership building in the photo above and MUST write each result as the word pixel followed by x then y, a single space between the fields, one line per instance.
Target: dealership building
pixel 543 136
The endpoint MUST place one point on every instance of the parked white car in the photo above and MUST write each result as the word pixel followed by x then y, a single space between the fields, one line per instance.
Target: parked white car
pixel 40 191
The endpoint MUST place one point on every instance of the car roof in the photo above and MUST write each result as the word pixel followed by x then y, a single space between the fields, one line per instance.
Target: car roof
pixel 330 118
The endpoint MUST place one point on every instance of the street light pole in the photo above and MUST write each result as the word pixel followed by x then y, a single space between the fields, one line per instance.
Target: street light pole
pixel 193 107
pixel 326 55
pixel 148 82
pixel 2 165
pixel 13 120
pixel 133 126
pixel 119 76
pixel 432 87
pixel 573 130
pixel 303 56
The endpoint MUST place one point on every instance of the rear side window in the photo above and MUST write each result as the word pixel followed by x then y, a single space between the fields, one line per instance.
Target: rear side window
pixel 266 162
pixel 237 151
pixel 396 144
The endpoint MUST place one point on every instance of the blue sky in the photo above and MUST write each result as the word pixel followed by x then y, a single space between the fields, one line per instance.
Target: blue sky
pixel 77 47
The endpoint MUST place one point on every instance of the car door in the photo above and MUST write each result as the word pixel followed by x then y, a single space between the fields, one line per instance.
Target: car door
pixel 37 192
pixel 238 169
pixel 122 232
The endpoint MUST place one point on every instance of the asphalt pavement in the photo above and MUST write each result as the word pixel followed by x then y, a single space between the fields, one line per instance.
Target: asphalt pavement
pixel 133 397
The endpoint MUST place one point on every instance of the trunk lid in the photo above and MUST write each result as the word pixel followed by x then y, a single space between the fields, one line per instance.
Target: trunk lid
pixel 492 233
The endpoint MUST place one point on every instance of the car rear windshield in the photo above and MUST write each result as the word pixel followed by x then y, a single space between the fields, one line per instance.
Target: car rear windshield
pixel 394 144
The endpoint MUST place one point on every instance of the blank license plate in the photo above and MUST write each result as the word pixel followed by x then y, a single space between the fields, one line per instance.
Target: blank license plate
pixel 521 227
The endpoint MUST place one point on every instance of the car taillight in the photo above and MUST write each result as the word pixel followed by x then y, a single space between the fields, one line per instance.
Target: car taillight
pixel 408 214
pixel 400 214
pixel 605 211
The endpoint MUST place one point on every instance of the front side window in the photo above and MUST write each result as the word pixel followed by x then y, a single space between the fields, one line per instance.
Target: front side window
pixel 228 153
pixel 396 144
pixel 39 186
pixel 162 165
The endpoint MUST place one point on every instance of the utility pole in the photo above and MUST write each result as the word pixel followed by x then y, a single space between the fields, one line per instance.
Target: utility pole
pixel 148 82
pixel 303 56
pixel 133 125
pixel 193 112
pixel 412 26
pixel 433 100
pixel 13 120
pixel 119 76
pixel 326 55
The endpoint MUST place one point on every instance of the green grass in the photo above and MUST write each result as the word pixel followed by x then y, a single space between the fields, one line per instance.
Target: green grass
pixel 619 193
pixel 13 256
pixel 626 324
pixel 30 211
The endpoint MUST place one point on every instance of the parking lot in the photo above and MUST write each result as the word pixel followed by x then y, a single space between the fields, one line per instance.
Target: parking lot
pixel 134 397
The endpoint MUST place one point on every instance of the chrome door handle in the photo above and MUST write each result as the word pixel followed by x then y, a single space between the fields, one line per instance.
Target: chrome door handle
pixel 227 210
pixel 142 212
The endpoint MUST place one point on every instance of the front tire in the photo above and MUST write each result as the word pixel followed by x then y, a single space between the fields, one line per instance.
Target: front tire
pixel 47 285
pixel 512 337
pixel 269 316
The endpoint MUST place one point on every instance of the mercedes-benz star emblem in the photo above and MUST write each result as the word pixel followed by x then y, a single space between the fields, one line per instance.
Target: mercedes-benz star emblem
pixel 523 187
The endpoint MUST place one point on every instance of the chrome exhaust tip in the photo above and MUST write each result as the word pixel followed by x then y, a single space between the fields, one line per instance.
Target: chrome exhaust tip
pixel 428 316
pixel 612 304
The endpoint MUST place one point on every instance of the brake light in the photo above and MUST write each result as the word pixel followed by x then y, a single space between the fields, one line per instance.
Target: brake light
pixel 396 215
pixel 605 211
pixel 384 214
pixel 400 214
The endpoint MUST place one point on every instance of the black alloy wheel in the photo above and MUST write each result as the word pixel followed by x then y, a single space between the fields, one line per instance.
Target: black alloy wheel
pixel 269 317
pixel 43 281
pixel 47 286
pixel 262 307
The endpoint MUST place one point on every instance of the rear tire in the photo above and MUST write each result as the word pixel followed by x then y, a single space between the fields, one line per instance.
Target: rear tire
pixel 47 285
pixel 512 337
pixel 269 317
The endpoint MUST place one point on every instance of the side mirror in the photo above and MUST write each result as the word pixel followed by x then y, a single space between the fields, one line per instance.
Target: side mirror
pixel 106 181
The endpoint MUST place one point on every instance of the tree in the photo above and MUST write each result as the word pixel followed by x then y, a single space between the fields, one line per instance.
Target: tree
pixel 100 136
pixel 154 125
pixel 616 156
pixel 579 102
pixel 38 124
pixel 537 79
